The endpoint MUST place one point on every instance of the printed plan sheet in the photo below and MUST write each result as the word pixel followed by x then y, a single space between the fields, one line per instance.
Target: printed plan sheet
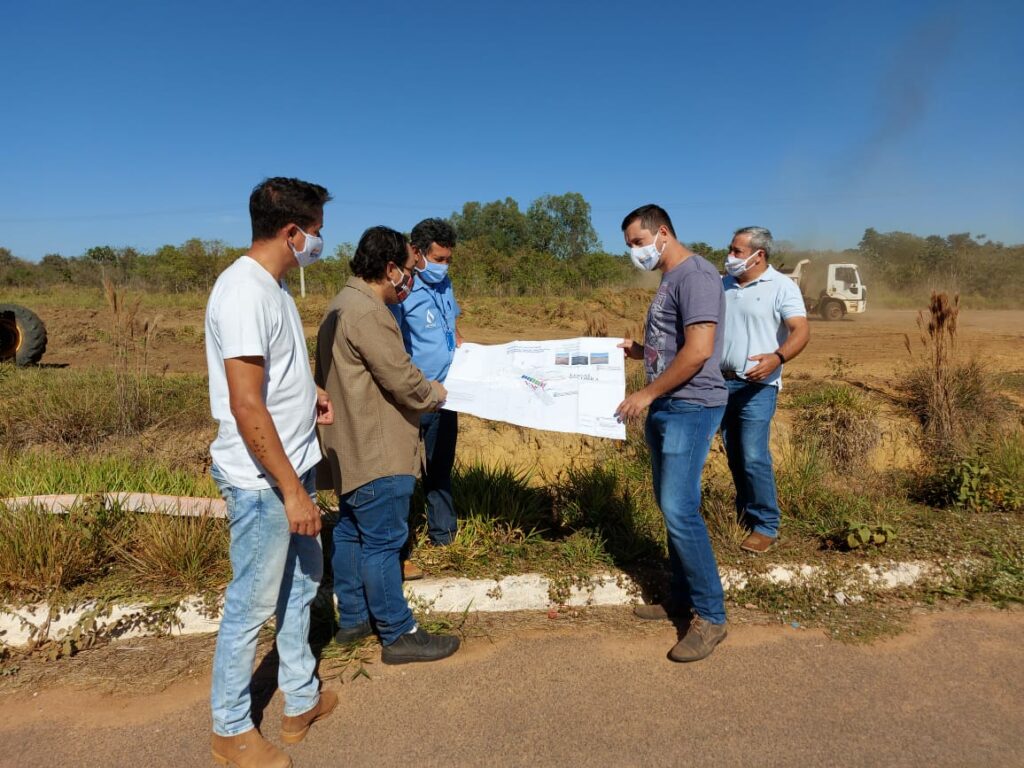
pixel 567 385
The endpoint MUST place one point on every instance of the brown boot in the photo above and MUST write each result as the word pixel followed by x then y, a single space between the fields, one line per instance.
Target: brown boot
pixel 294 729
pixel 411 571
pixel 757 543
pixel 248 750
pixel 700 640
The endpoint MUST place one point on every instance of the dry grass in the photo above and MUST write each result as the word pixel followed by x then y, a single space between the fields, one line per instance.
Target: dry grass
pixel 180 554
pixel 840 423
pixel 956 402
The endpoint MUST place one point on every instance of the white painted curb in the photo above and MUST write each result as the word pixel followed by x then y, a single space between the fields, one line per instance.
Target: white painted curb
pixel 525 592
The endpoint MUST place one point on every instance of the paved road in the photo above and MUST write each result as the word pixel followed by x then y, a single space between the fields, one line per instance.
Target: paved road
pixel 950 692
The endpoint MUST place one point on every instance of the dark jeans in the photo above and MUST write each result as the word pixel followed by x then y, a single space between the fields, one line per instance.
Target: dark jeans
pixel 373 524
pixel 439 432
pixel 679 434
pixel 746 429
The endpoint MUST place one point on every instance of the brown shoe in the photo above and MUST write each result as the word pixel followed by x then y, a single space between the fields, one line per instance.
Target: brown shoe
pixel 663 611
pixel 758 542
pixel 411 571
pixel 700 640
pixel 294 729
pixel 247 750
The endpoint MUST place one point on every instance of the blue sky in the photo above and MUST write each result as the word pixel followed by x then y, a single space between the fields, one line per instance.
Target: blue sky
pixel 144 123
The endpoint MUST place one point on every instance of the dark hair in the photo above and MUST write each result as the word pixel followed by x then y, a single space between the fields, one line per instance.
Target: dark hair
pixel 651 218
pixel 277 202
pixel 376 248
pixel 429 231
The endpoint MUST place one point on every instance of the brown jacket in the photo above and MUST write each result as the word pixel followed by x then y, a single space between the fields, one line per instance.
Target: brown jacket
pixel 377 392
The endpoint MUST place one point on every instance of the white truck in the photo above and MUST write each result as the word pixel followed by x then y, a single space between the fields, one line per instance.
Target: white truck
pixel 829 289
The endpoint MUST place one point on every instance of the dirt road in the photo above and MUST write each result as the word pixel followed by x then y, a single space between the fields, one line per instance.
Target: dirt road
pixel 948 692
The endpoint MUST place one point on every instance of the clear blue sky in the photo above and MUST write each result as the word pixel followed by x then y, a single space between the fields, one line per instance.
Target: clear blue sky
pixel 144 123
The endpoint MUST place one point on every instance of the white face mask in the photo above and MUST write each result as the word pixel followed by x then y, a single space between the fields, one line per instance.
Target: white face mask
pixel 646 257
pixel 310 252
pixel 736 267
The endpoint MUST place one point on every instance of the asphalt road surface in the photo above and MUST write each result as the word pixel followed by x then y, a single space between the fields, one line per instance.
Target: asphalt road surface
pixel 948 692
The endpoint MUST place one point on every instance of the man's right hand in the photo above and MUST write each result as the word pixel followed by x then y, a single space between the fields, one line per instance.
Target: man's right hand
pixel 440 393
pixel 303 513
pixel 632 349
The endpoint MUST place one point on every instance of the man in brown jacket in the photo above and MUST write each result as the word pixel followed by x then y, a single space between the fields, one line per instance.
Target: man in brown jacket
pixel 372 448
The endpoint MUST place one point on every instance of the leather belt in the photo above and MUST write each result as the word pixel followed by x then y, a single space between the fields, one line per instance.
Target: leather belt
pixel 730 376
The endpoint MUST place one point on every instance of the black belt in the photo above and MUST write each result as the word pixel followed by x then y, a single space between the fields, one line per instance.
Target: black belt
pixel 731 376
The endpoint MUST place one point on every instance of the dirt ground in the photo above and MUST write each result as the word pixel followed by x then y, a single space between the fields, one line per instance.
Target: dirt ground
pixel 871 345
pixel 596 691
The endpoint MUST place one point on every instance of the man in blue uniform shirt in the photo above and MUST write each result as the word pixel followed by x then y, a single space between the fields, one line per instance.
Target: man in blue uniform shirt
pixel 765 326
pixel 428 320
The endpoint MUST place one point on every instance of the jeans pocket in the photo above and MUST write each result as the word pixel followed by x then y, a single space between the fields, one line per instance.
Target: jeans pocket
pixel 364 494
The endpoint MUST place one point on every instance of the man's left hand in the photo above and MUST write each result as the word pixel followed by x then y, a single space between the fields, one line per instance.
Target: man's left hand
pixel 633 407
pixel 324 408
pixel 765 365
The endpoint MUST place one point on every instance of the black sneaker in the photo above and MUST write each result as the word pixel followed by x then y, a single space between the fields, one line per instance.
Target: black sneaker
pixel 419 646
pixel 347 635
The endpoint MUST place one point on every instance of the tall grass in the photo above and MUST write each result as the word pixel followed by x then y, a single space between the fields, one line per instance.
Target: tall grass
pixel 80 408
pixel 182 554
pixel 36 472
pixel 838 423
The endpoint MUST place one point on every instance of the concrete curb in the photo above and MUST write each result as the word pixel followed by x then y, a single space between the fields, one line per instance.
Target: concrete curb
pixel 524 592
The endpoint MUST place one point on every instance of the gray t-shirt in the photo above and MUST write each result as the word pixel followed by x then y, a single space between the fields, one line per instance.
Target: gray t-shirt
pixel 690 293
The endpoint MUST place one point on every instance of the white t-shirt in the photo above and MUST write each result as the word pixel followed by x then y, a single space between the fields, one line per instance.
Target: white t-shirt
pixel 251 314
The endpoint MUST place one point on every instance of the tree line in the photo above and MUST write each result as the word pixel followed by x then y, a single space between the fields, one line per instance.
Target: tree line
pixel 549 248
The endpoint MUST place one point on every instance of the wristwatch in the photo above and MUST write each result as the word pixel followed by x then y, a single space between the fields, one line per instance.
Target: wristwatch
pixel 779 355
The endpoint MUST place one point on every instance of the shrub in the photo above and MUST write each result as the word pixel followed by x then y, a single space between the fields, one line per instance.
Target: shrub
pixel 43 553
pixel 956 403
pixel 180 554
pixel 839 423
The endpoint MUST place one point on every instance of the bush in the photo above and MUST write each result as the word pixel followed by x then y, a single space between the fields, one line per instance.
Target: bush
pixel 43 553
pixel 79 408
pixel 181 554
pixel 839 424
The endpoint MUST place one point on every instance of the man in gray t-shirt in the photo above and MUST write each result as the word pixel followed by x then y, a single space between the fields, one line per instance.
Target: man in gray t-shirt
pixel 689 293
pixel 685 397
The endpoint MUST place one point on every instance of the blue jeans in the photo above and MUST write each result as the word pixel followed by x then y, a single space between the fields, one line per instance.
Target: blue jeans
pixel 439 432
pixel 679 434
pixel 746 429
pixel 373 523
pixel 273 572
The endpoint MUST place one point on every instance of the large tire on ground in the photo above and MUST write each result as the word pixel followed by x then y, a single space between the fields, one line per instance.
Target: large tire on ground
pixel 832 310
pixel 22 335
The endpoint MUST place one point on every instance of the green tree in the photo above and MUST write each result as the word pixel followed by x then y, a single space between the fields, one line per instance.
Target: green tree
pixel 560 225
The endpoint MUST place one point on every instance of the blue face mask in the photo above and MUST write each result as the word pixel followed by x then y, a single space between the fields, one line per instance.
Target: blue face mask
pixel 434 273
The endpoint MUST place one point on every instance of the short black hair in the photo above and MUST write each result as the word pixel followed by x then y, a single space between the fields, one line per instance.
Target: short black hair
pixel 376 248
pixel 651 218
pixel 279 201
pixel 429 231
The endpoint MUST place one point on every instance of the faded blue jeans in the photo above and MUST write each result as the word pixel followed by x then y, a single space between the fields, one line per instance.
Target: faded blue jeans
pixel 373 524
pixel 679 434
pixel 746 429
pixel 273 572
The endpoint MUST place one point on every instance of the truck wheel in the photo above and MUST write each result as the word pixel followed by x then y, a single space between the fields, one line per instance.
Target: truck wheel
pixel 22 335
pixel 832 310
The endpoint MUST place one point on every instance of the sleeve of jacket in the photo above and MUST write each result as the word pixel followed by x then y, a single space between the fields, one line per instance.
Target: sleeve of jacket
pixel 377 340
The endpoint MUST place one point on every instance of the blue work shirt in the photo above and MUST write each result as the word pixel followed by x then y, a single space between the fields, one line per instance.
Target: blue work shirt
pixel 755 319
pixel 426 318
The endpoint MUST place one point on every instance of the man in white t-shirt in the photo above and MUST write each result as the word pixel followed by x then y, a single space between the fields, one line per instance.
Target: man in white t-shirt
pixel 264 457
pixel 765 326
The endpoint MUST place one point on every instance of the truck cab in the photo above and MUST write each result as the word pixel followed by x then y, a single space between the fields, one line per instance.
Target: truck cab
pixel 830 290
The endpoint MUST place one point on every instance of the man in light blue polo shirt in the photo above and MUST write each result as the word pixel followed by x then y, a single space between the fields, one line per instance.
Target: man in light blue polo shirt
pixel 765 326
pixel 428 320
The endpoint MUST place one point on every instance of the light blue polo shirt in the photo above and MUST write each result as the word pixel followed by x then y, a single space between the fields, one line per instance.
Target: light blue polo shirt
pixel 426 318
pixel 755 319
